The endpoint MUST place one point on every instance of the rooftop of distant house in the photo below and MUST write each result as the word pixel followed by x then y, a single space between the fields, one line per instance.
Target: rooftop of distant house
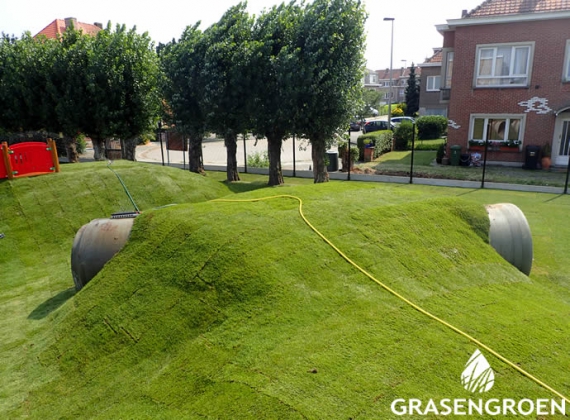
pixel 59 26
pixel 516 7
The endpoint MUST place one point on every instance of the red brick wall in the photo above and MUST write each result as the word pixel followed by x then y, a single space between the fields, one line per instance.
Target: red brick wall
pixel 546 80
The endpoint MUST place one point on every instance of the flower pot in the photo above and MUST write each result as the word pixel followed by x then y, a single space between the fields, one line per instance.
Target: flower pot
pixel 545 162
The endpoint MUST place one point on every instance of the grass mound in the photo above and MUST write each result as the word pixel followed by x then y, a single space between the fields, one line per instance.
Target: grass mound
pixel 238 310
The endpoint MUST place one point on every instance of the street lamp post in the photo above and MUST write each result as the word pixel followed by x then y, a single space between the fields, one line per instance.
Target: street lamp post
pixel 390 88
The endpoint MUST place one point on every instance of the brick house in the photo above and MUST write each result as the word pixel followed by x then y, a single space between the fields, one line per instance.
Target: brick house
pixel 380 80
pixel 430 84
pixel 59 26
pixel 505 78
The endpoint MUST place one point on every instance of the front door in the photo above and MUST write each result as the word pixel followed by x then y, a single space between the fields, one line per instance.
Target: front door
pixel 561 143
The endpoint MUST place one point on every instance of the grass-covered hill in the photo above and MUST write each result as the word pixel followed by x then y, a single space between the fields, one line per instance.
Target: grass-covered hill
pixel 239 310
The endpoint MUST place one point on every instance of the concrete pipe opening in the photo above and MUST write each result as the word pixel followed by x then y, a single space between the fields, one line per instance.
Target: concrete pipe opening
pixel 94 245
pixel 510 235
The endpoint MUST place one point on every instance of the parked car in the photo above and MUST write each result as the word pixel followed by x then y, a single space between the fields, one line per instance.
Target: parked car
pixel 397 120
pixel 376 125
pixel 355 126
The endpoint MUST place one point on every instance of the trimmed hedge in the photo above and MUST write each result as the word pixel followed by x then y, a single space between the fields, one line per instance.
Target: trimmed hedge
pixel 382 141
pixel 431 127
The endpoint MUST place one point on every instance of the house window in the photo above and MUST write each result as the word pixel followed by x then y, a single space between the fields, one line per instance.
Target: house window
pixel 507 129
pixel 567 63
pixel 448 69
pixel 389 95
pixel 433 83
pixel 503 65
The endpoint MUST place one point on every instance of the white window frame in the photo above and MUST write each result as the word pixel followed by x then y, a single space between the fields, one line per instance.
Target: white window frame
pixel 507 117
pixel 502 81
pixel 566 74
pixel 430 83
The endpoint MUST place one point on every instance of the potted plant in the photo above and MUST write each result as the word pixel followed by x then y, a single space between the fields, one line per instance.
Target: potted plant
pixel 545 159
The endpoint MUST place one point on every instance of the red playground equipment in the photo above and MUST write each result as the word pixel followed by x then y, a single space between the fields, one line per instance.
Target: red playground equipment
pixel 28 159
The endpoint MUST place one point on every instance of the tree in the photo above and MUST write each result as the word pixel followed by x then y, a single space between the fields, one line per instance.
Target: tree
pixel 182 63
pixel 329 49
pixel 412 93
pixel 273 95
pixel 124 86
pixel 227 79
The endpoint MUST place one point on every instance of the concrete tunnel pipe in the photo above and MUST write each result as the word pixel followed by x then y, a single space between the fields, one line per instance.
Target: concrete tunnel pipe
pixel 99 240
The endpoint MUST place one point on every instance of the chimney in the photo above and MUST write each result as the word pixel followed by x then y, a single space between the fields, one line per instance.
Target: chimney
pixel 69 22
pixel 463 13
pixel 99 25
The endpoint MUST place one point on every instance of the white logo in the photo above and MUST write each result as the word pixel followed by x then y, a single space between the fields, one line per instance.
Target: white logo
pixel 478 375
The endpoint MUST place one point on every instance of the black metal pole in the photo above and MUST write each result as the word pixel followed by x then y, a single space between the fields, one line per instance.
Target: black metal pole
pixel 167 150
pixel 294 164
pixel 244 154
pixel 413 147
pixel 184 152
pixel 160 139
pixel 348 156
pixel 567 175
pixel 485 155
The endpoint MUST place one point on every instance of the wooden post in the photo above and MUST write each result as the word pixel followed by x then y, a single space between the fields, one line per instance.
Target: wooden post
pixel 53 149
pixel 7 163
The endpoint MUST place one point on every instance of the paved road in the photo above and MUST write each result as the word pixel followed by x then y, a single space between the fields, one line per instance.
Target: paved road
pixel 214 152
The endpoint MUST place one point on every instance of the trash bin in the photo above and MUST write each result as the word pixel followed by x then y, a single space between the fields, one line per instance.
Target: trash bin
pixel 531 156
pixel 333 161
pixel 455 155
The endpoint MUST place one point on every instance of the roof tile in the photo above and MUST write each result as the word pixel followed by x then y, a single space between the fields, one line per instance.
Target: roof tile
pixel 517 7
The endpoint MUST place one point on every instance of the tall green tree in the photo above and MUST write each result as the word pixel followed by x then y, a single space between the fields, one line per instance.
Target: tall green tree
pixel 273 94
pixel 227 79
pixel 123 82
pixel 182 63
pixel 25 66
pixel 329 47
pixel 67 87
pixel 412 93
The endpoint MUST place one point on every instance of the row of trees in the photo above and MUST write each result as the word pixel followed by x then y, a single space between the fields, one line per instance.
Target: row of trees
pixel 296 69
pixel 104 86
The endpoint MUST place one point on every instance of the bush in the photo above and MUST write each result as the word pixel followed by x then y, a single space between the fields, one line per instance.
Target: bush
pixel 382 141
pixel 431 127
pixel 258 160
pixel 440 153
pixel 403 135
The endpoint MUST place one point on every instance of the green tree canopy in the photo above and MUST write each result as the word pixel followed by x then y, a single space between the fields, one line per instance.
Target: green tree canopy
pixel 412 93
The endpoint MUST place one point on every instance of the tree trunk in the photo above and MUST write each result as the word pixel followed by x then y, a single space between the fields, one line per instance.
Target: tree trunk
pixel 98 148
pixel 195 157
pixel 71 149
pixel 230 140
pixel 274 152
pixel 318 151
pixel 129 147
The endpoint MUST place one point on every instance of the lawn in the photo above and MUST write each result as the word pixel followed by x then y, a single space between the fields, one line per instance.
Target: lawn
pixel 239 310
pixel 398 163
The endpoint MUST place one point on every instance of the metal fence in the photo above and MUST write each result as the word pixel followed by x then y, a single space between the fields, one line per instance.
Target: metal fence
pixel 473 172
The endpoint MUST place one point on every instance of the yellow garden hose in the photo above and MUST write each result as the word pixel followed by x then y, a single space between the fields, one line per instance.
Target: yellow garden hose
pixel 401 297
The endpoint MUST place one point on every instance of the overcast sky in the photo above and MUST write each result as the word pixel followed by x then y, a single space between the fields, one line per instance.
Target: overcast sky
pixel 415 35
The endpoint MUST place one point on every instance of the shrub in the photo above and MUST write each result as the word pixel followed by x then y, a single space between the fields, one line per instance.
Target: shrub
pixel 397 112
pixel 403 135
pixel 258 160
pixel 431 127
pixel 440 153
pixel 382 141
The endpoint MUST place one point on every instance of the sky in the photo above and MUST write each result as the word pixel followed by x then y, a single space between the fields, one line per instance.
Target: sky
pixel 415 34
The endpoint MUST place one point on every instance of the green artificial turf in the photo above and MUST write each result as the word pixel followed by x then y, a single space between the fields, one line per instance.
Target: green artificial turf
pixel 239 310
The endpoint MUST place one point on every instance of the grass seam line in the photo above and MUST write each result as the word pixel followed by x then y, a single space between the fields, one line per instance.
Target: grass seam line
pixel 400 296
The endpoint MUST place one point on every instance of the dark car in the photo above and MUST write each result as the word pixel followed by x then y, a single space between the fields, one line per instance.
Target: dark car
pixel 355 126
pixel 375 125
